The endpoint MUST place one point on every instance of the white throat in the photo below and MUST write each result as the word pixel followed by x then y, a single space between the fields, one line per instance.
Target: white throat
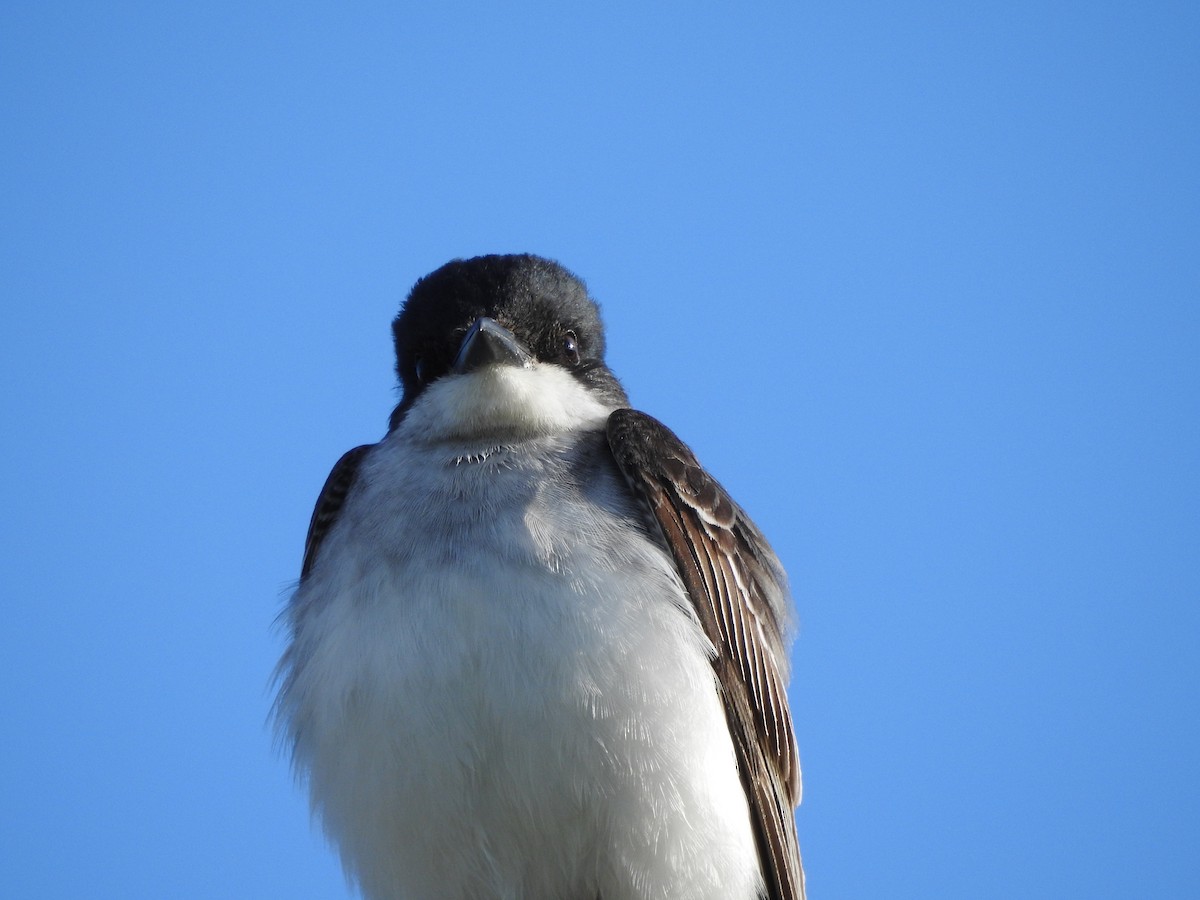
pixel 502 401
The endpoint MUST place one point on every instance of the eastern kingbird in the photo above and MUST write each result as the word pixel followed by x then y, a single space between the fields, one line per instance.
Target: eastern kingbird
pixel 536 651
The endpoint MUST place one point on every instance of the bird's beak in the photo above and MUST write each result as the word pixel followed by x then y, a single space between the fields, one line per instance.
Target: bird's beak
pixel 489 343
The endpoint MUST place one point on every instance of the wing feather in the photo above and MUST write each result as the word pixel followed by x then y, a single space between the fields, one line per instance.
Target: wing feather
pixel 329 503
pixel 738 590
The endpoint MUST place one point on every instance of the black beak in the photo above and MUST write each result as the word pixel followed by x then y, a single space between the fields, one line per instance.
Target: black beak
pixel 489 343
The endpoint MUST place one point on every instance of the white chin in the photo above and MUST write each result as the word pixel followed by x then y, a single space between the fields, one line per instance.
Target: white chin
pixel 501 401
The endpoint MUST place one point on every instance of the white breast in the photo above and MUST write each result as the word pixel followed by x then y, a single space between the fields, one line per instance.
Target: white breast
pixel 498 693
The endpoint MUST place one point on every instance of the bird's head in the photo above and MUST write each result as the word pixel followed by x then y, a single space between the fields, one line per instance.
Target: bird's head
pixel 499 346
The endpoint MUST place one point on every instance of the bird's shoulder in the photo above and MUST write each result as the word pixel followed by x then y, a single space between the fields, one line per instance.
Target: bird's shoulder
pixel 738 589
pixel 330 501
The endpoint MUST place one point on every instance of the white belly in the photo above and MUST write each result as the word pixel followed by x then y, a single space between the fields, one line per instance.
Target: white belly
pixel 530 716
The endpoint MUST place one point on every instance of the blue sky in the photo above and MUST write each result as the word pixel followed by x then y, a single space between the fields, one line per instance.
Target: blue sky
pixel 919 282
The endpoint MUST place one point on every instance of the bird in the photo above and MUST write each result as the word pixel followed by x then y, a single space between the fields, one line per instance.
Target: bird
pixel 536 651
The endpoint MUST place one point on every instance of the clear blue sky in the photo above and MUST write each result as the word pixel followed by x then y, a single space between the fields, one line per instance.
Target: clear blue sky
pixel 919 282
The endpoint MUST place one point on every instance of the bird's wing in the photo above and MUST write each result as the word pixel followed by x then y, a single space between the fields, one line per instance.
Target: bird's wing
pixel 739 592
pixel 329 503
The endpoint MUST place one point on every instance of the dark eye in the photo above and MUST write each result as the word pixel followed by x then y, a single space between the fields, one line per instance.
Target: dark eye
pixel 420 369
pixel 570 348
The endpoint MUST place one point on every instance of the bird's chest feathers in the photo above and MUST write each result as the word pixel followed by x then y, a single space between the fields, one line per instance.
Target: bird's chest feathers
pixel 488 673
pixel 487 593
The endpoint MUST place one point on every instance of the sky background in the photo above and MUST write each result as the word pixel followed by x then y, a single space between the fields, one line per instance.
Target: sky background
pixel 920 283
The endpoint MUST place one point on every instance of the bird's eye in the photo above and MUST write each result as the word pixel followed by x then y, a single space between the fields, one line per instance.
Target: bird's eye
pixel 420 369
pixel 570 348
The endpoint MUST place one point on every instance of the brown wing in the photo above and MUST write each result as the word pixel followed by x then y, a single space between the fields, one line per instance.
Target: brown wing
pixel 329 503
pixel 738 589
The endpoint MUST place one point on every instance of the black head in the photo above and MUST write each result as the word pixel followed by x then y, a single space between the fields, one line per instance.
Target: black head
pixel 545 307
